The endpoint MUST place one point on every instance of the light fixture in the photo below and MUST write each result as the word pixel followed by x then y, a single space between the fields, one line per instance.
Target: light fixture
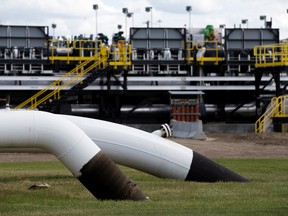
pixel 125 11
pixel 263 17
pixel 95 7
pixel 129 15
pixel 149 9
pixel 53 27
pixel 245 21
pixel 189 9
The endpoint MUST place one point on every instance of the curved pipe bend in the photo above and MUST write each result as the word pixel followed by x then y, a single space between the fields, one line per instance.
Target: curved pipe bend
pixel 151 153
pixel 62 138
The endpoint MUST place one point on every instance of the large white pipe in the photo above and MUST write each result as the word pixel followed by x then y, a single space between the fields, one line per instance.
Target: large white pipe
pixel 62 138
pixel 151 153
pixel 137 149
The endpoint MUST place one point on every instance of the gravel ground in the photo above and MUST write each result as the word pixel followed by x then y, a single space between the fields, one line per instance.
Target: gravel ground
pixel 272 145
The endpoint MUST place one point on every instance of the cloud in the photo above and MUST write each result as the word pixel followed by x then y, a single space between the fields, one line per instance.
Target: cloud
pixel 198 7
pixel 75 17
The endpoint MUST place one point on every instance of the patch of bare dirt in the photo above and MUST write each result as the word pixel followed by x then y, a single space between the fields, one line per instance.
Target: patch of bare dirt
pixel 251 145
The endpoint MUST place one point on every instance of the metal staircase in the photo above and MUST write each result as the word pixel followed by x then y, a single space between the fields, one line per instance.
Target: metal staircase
pixel 278 108
pixel 272 58
pixel 120 57
pixel 75 76
pixel 52 106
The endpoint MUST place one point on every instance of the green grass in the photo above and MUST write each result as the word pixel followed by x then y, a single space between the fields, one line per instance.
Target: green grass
pixel 267 194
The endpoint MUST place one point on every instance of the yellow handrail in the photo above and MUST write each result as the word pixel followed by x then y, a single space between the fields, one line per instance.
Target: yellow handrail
pixel 265 119
pixel 121 54
pixel 75 75
pixel 57 85
pixel 189 50
pixel 73 50
pixel 56 92
pixel 214 47
pixel 271 55
pixel 278 108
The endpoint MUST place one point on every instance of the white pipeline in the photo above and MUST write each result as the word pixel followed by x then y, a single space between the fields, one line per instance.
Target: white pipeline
pixel 151 153
pixel 138 149
pixel 128 146
pixel 62 138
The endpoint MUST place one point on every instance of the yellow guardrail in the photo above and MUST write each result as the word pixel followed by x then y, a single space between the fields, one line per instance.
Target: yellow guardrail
pixel 75 75
pixel 120 56
pixel 278 107
pixel 203 46
pixel 189 51
pixel 271 55
pixel 75 50
pixel 82 50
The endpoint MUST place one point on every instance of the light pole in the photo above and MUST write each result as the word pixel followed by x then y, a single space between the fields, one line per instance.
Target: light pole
pixel 149 9
pixel 95 7
pixel 222 26
pixel 263 17
pixel 129 15
pixel 189 9
pixel 53 27
pixel 125 11
pixel 245 21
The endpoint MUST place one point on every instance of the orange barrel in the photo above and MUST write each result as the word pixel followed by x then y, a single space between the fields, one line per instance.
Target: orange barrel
pixel 192 113
pixel 197 112
pixel 187 112
pixel 179 110
pixel 183 112
pixel 177 116
pixel 174 111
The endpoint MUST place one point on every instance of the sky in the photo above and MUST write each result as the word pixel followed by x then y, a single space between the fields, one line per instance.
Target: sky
pixel 75 17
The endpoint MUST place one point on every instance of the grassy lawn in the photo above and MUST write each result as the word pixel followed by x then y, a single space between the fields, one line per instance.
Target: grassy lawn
pixel 267 194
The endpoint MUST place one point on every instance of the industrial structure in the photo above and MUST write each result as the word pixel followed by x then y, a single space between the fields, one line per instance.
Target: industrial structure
pixel 158 75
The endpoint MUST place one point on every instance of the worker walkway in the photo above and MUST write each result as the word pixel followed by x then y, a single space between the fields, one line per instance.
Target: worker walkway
pixel 99 61
pixel 275 55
